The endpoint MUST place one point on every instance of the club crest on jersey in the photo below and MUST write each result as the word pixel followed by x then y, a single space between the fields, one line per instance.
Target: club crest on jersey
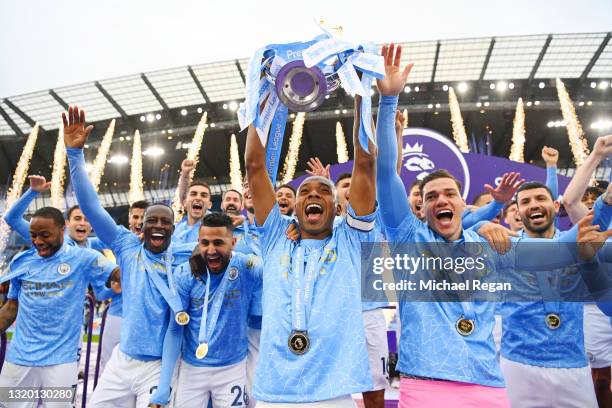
pixel 63 269
pixel 233 273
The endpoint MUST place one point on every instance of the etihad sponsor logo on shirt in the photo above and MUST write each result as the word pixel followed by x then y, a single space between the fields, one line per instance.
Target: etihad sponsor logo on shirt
pixel 45 289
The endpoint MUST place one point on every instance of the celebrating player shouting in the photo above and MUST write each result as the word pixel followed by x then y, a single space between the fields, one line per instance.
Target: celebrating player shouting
pixel 48 283
pixel 312 342
pixel 150 298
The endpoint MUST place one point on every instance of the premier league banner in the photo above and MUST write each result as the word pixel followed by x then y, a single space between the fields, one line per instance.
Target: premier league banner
pixel 424 151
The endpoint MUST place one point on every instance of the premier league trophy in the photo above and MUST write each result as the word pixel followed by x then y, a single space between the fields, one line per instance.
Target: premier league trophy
pixel 297 77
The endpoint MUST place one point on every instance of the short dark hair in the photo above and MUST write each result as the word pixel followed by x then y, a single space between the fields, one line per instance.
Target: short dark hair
pixel 51 213
pixel 531 185
pixel 235 191
pixel 217 219
pixel 71 210
pixel 479 196
pixel 342 177
pixel 142 204
pixel 162 204
pixel 288 187
pixel 200 183
pixel 438 174
pixel 506 206
pixel 596 191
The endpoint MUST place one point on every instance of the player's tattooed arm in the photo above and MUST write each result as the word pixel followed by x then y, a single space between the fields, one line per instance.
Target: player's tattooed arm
pixel 363 179
pixel 187 169
pixel 8 314
pixel 399 130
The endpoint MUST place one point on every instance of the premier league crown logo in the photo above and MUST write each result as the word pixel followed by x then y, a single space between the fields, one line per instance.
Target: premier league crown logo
pixel 416 161
pixel 424 151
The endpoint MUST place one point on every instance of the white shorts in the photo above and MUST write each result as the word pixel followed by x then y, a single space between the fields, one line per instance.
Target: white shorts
pixel 253 336
pixel 342 402
pixel 375 327
pixel 110 338
pixel 597 337
pixel 195 386
pixel 126 382
pixel 60 375
pixel 531 386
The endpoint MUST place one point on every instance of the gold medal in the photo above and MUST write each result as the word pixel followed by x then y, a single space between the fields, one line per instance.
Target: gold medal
pixel 201 351
pixel 181 318
pixel 553 321
pixel 465 327
pixel 298 342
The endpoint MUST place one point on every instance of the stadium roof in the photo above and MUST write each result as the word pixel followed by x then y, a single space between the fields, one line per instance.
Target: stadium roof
pixel 166 105
pixel 568 56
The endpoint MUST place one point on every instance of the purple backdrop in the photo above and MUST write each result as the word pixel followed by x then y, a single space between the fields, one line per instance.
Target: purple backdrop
pixel 425 150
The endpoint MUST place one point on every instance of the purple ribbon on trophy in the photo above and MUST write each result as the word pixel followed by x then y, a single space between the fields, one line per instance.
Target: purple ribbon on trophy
pixel 297 77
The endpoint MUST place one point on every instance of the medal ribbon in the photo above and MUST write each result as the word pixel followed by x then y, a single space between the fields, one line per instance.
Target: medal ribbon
pixel 208 327
pixel 544 285
pixel 151 264
pixel 547 293
pixel 303 280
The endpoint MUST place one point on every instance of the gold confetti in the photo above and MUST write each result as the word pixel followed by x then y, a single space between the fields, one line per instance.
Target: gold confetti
pixel 294 148
pixel 97 170
pixel 136 191
pixel 518 134
pixel 235 172
pixel 457 122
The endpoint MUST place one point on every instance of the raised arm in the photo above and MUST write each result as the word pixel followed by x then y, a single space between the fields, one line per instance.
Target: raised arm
pixel 75 136
pixel 501 195
pixel 572 197
pixel 399 133
pixel 551 157
pixel 187 167
pixel 363 179
pixel 260 185
pixel 14 217
pixel 391 193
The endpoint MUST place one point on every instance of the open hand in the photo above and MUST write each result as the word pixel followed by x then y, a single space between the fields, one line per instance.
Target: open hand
pixel 395 79
pixel 589 238
pixel 506 189
pixel 39 183
pixel 316 168
pixel 75 132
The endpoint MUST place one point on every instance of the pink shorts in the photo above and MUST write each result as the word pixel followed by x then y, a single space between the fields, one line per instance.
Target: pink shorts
pixel 445 394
